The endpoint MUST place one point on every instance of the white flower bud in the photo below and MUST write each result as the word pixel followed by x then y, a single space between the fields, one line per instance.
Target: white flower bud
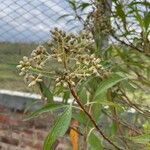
pixel 86 62
pixel 88 75
pixel 91 68
pixel 65 85
pixel 98 60
pixel 72 83
pixel 32 83
pixel 59 59
pixel 92 56
pixel 58 84
pixel 77 62
pixel 27 63
pixel 95 71
pixel 21 73
pixel 19 66
pixel 21 62
pixel 33 54
pixel 23 69
pixel 57 80
pixel 25 58
pixel 67 77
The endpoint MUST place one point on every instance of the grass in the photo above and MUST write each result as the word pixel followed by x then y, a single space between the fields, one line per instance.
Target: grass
pixel 10 55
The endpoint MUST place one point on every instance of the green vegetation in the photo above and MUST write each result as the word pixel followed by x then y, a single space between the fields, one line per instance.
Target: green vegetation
pixel 109 81
pixel 10 55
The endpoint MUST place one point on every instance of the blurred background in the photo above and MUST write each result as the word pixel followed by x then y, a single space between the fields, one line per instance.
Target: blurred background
pixel 23 25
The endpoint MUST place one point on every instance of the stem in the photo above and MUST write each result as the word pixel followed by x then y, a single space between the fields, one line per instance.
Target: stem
pixel 77 99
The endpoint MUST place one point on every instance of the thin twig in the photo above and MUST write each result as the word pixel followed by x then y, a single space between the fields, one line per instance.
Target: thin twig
pixel 134 105
pixel 123 123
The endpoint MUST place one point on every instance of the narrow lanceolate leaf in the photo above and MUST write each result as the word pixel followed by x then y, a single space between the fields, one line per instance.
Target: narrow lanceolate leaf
pixel 147 20
pixel 44 109
pixel 145 138
pixel 108 83
pixel 46 92
pixel 59 129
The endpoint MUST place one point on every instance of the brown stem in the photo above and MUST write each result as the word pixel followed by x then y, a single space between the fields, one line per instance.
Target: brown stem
pixel 74 94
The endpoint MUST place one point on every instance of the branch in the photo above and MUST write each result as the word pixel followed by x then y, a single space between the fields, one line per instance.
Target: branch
pixel 77 99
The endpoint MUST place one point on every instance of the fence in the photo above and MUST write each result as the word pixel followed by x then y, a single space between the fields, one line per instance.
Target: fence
pixel 31 20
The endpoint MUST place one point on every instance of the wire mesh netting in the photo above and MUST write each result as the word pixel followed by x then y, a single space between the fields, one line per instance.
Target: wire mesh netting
pixel 31 20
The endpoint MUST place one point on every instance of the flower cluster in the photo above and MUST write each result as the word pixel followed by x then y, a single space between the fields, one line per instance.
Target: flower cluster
pixel 38 56
pixel 63 43
pixel 73 55
pixel 100 18
pixel 28 64
pixel 85 66
pixel 24 65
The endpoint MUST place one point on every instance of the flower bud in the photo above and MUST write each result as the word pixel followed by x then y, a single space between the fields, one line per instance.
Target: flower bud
pixel 59 59
pixel 57 79
pixel 65 85
pixel 58 84
pixel 21 62
pixel 72 83
pixel 25 59
pixel 32 83
pixel 98 60
pixel 19 66
pixel 23 69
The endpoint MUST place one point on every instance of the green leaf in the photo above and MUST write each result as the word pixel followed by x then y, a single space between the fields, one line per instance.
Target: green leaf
pixel 108 83
pixel 113 129
pixel 73 4
pixel 81 117
pixel 138 17
pixel 128 85
pixel 59 129
pixel 120 12
pixel 82 93
pixel 140 3
pixel 46 92
pixel 44 109
pixel 66 96
pixel 96 111
pixel 145 138
pixel 147 20
pixel 95 142
pixel 84 5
